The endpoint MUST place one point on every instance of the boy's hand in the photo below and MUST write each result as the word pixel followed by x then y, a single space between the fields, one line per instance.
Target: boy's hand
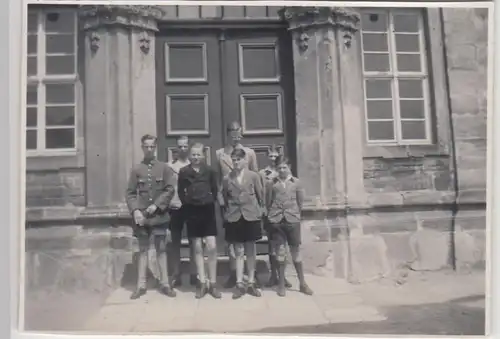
pixel 139 218
pixel 151 209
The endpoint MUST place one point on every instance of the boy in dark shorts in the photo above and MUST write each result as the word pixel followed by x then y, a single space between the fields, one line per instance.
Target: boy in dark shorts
pixel 198 189
pixel 284 200
pixel 242 192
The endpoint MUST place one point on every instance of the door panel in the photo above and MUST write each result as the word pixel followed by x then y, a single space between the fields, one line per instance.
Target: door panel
pixel 189 93
pixel 254 94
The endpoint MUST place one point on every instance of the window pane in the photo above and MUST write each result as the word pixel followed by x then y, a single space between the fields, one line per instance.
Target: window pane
pixel 376 62
pixel 412 109
pixel 379 109
pixel 380 130
pixel 31 118
pixel 376 89
pixel 32 70
pixel 409 63
pixel 407 43
pixel 60 138
pixel 374 42
pixel 406 22
pixel 31 95
pixel 60 22
pixel 32 44
pixel 57 43
pixel 374 22
pixel 410 88
pixel 60 93
pixel 413 130
pixel 31 139
pixel 60 64
pixel 60 115
pixel 32 21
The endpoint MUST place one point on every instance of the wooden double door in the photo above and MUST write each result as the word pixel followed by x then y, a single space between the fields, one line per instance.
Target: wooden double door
pixel 211 77
pixel 207 78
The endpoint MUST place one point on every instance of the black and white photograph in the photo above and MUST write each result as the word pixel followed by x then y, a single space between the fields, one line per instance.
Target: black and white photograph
pixel 251 169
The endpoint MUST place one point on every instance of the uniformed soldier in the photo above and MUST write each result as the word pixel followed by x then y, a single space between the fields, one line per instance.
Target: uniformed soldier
pixel 224 166
pixel 149 192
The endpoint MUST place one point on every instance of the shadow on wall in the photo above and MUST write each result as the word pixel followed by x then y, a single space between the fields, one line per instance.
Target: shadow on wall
pixel 454 317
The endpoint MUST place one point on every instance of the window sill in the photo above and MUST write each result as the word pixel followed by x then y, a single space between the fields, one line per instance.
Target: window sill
pixel 47 161
pixel 406 151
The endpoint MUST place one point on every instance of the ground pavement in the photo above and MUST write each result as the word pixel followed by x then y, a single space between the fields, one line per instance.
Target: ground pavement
pixel 447 303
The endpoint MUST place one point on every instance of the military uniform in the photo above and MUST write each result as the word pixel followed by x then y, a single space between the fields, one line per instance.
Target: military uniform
pixel 151 182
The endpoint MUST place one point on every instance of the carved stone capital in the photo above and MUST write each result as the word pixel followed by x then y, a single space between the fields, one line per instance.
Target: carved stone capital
pixel 303 19
pixel 141 17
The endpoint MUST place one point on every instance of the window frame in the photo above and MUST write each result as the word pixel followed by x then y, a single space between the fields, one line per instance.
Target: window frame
pixel 439 109
pixel 395 76
pixel 41 80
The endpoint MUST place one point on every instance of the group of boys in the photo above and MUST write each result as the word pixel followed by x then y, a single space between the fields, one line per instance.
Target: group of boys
pixel 165 197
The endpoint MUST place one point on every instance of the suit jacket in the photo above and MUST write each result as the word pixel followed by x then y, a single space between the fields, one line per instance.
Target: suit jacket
pixel 151 183
pixel 224 165
pixel 197 188
pixel 243 199
pixel 284 200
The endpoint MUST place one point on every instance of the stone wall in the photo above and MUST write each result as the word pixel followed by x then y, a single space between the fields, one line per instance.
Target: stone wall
pixel 55 188
pixel 467 53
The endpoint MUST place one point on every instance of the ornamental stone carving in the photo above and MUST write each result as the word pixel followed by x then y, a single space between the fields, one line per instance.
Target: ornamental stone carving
pixel 303 19
pixel 142 18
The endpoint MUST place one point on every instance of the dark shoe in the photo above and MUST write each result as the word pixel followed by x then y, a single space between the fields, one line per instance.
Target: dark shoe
pixel 281 291
pixel 288 284
pixel 253 290
pixel 239 291
pixel 138 293
pixel 201 290
pixel 257 282
pixel 231 281
pixel 273 281
pixel 176 282
pixel 214 292
pixel 168 291
pixel 193 280
pixel 305 289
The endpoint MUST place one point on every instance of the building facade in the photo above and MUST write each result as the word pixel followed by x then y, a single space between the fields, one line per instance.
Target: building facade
pixel 382 110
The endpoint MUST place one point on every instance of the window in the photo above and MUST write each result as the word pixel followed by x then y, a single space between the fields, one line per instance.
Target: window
pixel 51 69
pixel 396 88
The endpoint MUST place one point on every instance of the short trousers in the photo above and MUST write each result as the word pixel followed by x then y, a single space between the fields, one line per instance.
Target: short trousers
pixel 148 231
pixel 200 220
pixel 285 232
pixel 242 231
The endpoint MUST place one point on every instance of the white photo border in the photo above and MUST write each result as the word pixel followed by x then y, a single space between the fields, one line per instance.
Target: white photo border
pixel 12 143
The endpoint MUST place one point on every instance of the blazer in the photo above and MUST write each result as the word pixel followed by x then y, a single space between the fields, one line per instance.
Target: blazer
pixel 224 165
pixel 284 200
pixel 197 188
pixel 245 199
pixel 151 183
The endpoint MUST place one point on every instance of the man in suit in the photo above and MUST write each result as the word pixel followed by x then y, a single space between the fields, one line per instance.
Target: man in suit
pixel 224 166
pixel 149 192
pixel 178 219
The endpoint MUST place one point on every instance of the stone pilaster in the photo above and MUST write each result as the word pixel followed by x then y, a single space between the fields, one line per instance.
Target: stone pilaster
pixel 120 98
pixel 328 104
